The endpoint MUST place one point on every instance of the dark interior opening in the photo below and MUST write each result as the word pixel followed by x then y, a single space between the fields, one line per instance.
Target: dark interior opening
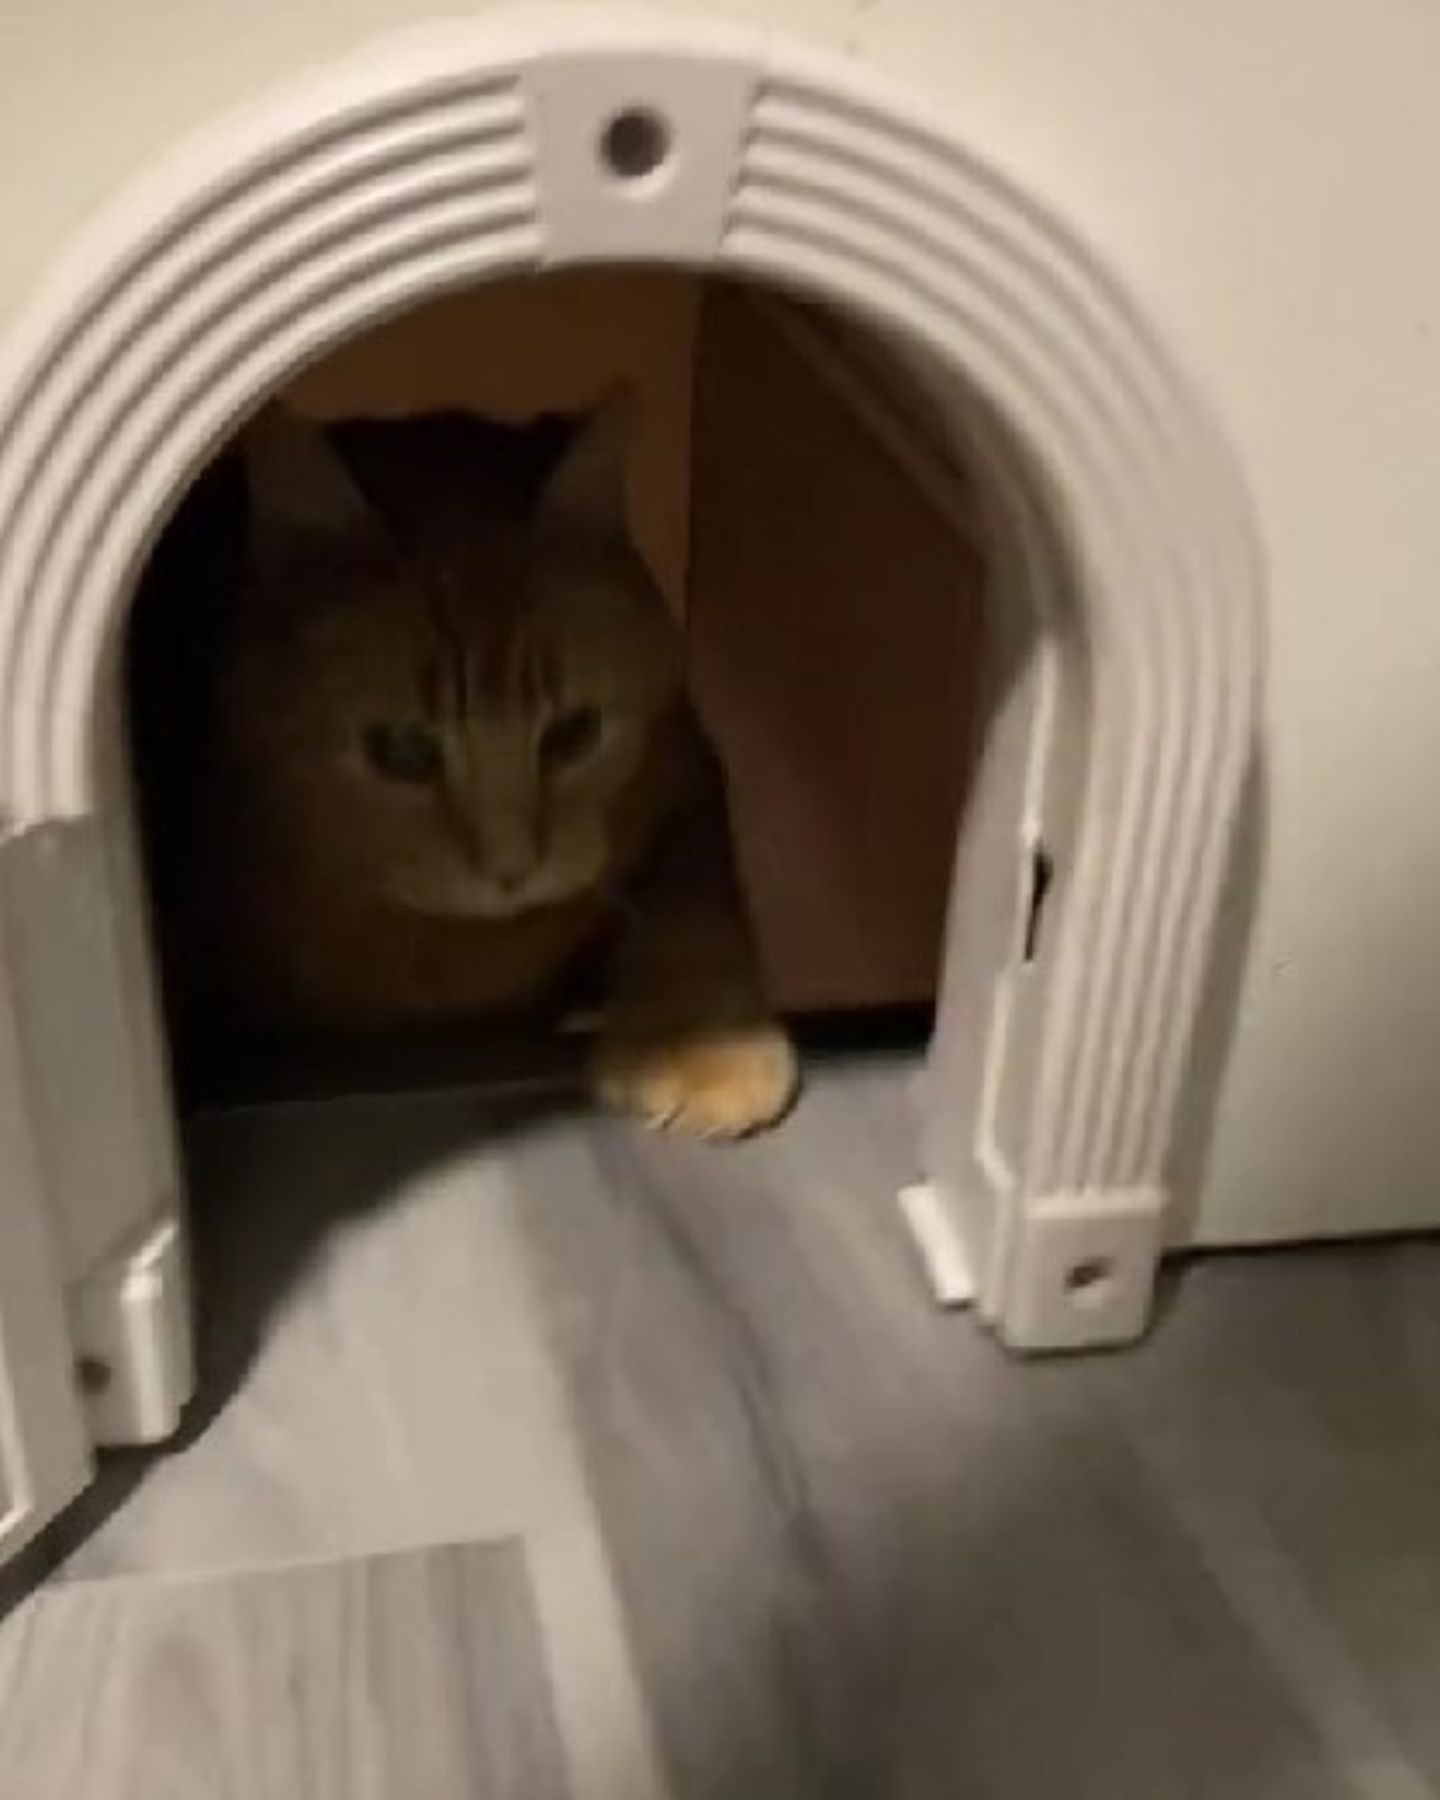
pixel 823 555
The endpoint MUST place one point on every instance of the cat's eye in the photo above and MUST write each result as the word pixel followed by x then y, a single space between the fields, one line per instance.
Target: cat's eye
pixel 570 737
pixel 409 753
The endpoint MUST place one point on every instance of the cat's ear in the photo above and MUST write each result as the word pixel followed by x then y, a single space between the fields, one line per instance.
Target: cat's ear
pixel 299 486
pixel 584 494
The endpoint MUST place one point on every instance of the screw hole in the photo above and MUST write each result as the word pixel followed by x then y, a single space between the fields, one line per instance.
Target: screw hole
pixel 1042 877
pixel 635 143
pixel 1087 1282
pixel 94 1374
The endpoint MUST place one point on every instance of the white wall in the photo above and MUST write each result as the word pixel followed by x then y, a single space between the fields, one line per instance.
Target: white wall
pixel 1262 172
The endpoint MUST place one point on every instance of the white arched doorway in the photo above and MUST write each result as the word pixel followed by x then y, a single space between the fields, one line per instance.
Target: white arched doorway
pixel 1120 723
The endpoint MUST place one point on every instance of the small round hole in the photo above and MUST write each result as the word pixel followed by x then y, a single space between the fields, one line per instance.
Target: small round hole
pixel 93 1373
pixel 635 143
pixel 1087 1281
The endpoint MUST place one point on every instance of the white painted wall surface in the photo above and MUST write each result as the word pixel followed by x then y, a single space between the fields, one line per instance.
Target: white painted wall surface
pixel 1263 174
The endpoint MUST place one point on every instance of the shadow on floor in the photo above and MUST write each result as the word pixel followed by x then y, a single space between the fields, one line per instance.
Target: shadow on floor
pixel 251 1245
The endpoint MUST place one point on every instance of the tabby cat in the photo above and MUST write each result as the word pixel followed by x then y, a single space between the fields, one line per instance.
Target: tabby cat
pixel 442 754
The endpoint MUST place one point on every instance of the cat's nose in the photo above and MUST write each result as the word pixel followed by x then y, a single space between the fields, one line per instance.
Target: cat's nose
pixel 508 877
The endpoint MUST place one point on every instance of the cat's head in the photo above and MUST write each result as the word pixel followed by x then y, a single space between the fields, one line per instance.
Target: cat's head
pixel 450 663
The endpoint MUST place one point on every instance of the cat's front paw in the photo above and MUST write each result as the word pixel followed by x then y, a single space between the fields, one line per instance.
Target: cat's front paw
pixel 706 1083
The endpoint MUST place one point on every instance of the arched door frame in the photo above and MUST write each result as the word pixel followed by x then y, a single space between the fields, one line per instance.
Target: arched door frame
pixel 1120 728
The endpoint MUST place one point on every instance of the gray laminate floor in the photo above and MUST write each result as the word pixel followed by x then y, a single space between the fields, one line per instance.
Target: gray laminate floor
pixel 538 1457
pixel 415 1673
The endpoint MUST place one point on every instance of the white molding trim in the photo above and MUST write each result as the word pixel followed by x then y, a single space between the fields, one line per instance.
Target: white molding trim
pixel 466 151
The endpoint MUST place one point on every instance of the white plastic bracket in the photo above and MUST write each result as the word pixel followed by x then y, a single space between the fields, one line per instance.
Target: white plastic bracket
pixel 130 1330
pixel 943 1254
pixel 1082 1269
pixel 636 152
